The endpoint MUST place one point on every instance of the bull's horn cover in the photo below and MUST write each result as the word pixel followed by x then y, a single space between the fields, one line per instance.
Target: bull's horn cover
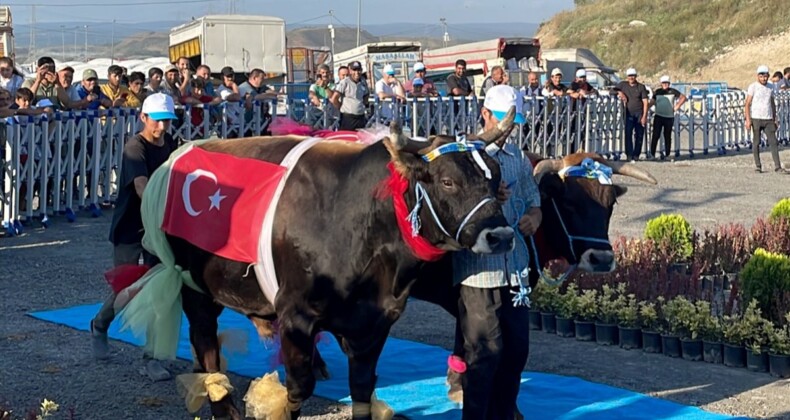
pixel 629 169
pixel 503 128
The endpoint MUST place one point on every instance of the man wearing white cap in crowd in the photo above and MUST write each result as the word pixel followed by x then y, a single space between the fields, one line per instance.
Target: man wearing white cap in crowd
pixel 579 91
pixel 142 155
pixel 350 97
pixel 634 96
pixel 760 112
pixel 667 101
pixel 496 333
pixel 388 87
pixel 428 88
pixel 554 86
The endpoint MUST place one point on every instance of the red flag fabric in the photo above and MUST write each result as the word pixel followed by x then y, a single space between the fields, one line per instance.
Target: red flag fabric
pixel 125 275
pixel 217 202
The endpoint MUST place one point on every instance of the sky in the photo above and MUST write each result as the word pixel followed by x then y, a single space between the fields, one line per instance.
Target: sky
pixel 299 11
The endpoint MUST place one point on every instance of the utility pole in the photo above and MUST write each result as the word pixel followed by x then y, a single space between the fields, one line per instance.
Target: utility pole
pixel 359 19
pixel 86 43
pixel 63 41
pixel 446 37
pixel 332 36
pixel 32 47
pixel 76 52
pixel 112 44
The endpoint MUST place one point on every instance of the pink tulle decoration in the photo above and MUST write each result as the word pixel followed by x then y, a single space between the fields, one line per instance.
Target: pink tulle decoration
pixel 281 126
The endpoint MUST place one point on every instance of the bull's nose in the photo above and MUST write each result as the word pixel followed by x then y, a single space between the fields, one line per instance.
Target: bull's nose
pixel 495 241
pixel 597 261
pixel 500 240
pixel 601 258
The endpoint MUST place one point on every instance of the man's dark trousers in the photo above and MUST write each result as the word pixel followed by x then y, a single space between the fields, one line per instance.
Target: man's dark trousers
pixel 634 135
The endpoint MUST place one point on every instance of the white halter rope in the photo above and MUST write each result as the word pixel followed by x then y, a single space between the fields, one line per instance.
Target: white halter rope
pixel 421 193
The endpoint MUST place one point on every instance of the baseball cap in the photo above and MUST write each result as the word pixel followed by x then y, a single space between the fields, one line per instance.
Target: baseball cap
pixel 389 70
pixel 419 67
pixel 159 107
pixel 762 69
pixel 500 98
pixel 664 79
pixel 227 71
pixel 556 71
pixel 170 67
pixel 66 68
pixel 418 82
pixel 630 72
pixel 89 74
pixel 355 65
pixel 581 73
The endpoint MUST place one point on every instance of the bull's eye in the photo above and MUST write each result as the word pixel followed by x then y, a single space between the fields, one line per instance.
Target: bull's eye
pixel 447 183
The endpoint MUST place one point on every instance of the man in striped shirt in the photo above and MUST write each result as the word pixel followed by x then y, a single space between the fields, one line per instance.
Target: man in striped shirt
pixel 496 332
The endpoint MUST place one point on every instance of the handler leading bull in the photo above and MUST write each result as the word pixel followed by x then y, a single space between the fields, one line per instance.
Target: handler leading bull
pixel 352 227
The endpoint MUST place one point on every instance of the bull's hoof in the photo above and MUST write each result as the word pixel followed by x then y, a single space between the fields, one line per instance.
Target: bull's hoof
pixel 321 373
pixel 456 391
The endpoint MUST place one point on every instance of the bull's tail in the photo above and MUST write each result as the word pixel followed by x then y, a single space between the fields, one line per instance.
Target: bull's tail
pixel 151 307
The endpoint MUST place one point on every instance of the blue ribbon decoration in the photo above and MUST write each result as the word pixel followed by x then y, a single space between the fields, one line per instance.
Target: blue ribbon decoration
pixel 590 169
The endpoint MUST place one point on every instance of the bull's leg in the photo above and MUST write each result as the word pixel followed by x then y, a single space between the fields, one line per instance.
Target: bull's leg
pixel 320 369
pixel 297 346
pixel 202 313
pixel 362 375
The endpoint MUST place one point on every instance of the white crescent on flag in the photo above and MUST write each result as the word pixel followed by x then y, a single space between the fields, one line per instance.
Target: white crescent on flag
pixel 192 177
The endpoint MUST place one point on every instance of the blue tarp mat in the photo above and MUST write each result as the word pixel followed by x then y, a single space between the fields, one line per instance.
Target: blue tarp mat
pixel 412 378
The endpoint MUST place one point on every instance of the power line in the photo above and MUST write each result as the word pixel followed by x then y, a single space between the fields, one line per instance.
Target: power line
pixel 130 4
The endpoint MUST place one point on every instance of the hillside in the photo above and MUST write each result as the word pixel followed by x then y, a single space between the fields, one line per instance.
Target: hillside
pixel 687 38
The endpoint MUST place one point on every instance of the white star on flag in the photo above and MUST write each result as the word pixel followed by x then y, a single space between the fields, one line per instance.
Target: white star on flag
pixel 216 199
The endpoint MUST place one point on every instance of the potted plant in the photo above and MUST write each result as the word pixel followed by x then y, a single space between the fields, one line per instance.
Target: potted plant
pixel 651 326
pixel 779 356
pixel 587 311
pixel 630 334
pixel 537 300
pixel 689 319
pixel 710 331
pixel 610 300
pixel 670 339
pixel 548 310
pixel 757 329
pixel 566 311
pixel 734 336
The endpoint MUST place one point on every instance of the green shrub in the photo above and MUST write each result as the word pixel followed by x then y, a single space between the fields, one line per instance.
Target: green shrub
pixel 544 297
pixel 610 301
pixel 568 304
pixel 587 305
pixel 781 210
pixel 673 232
pixel 681 317
pixel 648 316
pixel 764 277
pixel 628 314
pixel 707 327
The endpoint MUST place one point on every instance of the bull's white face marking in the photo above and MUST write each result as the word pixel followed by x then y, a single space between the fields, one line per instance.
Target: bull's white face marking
pixel 496 240
pixel 597 261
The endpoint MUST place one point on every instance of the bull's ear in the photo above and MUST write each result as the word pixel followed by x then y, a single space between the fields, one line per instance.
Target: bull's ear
pixel 402 147
pixel 551 185
pixel 620 189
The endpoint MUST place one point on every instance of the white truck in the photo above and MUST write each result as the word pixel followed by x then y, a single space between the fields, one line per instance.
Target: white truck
pixel 374 56
pixel 240 41
pixel 569 60
pixel 518 56
pixel 6 33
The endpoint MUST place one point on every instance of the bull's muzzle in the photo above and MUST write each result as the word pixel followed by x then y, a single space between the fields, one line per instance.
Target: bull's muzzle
pixel 597 261
pixel 495 240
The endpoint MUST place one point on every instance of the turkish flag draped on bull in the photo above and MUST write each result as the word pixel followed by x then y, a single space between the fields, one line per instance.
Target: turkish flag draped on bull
pixel 217 202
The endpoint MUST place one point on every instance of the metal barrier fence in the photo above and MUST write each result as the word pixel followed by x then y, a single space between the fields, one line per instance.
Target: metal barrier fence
pixel 69 161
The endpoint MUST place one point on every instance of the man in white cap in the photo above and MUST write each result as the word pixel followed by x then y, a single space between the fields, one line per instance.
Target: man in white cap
pixel 142 155
pixel 428 88
pixel 760 112
pixel 634 96
pixel 554 86
pixel 388 87
pixel 496 336
pixel 579 91
pixel 667 101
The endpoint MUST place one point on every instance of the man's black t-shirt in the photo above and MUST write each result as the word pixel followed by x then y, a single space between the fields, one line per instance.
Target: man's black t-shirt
pixel 635 94
pixel 140 158
pixel 453 81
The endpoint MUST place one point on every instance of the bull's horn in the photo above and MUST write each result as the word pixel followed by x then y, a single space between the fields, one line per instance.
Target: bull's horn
pixel 501 129
pixel 629 169
pixel 545 167
pixel 404 143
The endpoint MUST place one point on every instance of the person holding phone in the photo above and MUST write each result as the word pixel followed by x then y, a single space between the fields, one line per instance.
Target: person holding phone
pixel 113 90
pixel 87 94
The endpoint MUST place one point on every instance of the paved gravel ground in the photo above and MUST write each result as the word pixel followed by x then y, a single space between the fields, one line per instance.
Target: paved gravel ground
pixel 62 266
